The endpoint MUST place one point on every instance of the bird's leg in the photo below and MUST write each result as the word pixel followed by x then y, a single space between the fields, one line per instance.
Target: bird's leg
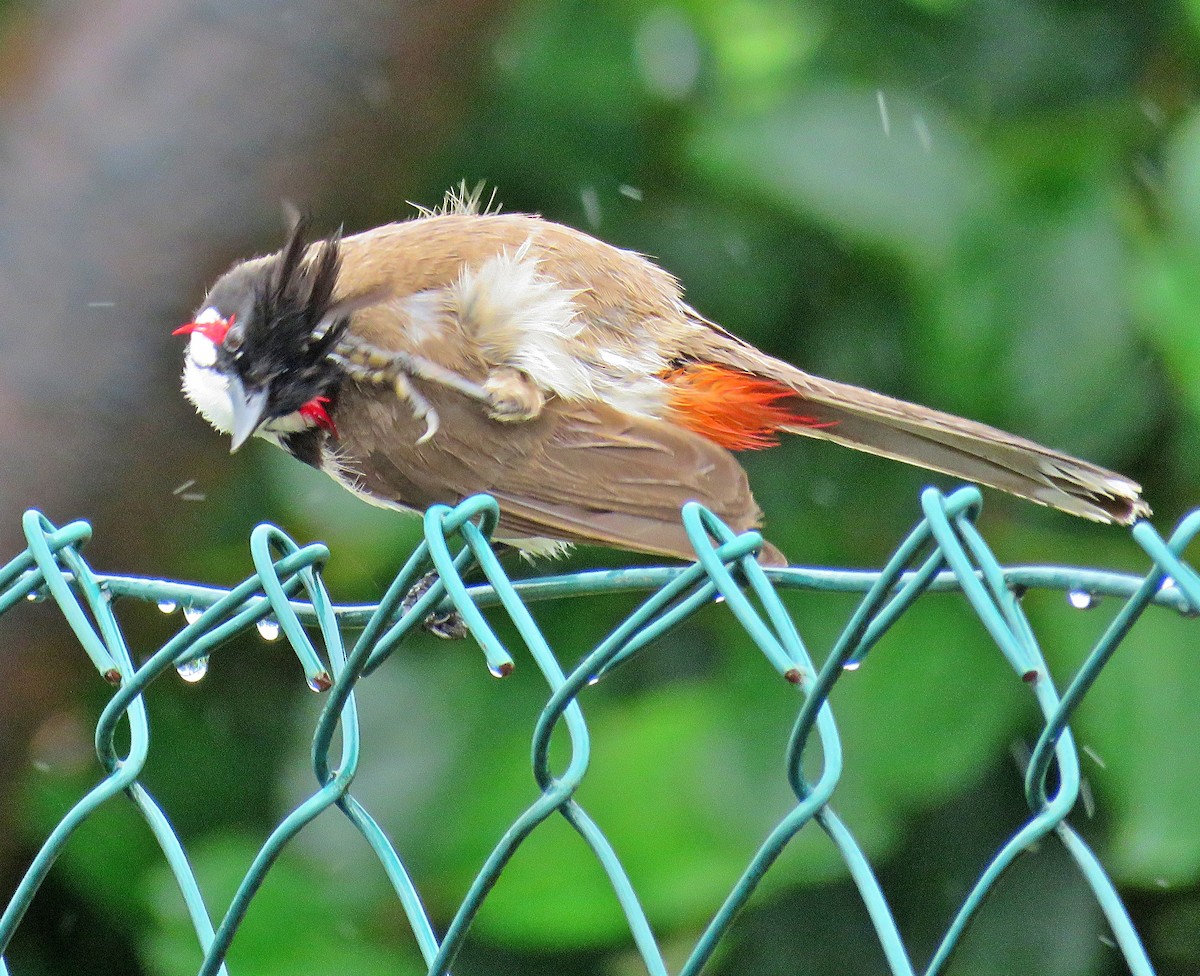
pixel 364 367
pixel 510 394
pixel 421 407
pixel 448 625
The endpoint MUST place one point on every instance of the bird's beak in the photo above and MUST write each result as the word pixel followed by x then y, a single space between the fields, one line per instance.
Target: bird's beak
pixel 248 408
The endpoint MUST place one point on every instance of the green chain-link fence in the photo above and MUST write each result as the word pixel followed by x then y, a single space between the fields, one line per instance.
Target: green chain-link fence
pixel 943 552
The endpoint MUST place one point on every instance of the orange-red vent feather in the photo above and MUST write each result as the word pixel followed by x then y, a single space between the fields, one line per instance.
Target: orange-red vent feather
pixel 740 411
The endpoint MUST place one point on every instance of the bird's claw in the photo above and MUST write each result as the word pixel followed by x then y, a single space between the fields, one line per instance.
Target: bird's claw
pixel 421 407
pixel 449 625
pixel 509 394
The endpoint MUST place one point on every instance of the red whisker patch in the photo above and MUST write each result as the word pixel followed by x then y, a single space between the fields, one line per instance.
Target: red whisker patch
pixel 739 411
pixel 316 411
pixel 211 326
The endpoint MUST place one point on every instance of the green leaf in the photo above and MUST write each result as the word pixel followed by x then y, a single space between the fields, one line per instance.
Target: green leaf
pixel 1167 286
pixel 668 779
pixel 1140 720
pixel 1031 325
pixel 877 167
pixel 299 923
pixel 938 676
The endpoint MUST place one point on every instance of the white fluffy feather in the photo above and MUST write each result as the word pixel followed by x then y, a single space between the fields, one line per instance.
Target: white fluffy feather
pixel 520 317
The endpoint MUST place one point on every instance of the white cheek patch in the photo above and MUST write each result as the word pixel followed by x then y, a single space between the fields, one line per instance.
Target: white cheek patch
pixel 208 392
pixel 201 349
pixel 207 389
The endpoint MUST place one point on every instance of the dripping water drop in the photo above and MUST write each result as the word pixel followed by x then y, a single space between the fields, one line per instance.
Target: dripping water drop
pixel 1081 599
pixel 168 606
pixel 268 629
pixel 192 671
pixel 852 665
pixel 192 614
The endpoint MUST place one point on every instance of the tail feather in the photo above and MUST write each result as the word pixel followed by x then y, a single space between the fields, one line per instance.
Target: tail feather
pixel 775 396
pixel 962 448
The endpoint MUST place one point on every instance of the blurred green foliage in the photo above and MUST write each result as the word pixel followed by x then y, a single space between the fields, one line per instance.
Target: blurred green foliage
pixel 992 206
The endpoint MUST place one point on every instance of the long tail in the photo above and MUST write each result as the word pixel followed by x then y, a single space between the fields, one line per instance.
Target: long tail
pixel 744 403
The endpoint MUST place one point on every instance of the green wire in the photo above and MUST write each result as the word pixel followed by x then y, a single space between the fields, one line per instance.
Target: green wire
pixel 944 552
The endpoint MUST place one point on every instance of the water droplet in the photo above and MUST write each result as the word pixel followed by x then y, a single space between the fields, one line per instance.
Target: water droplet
pixel 193 671
pixel 593 680
pixel 268 629
pixel 924 136
pixel 168 606
pixel 35 596
pixel 1088 798
pixel 668 53
pixel 719 598
pixel 192 614
pixel 1081 599
pixel 500 670
pixel 591 206
pixel 1154 112
pixel 852 665
pixel 320 682
pixel 884 115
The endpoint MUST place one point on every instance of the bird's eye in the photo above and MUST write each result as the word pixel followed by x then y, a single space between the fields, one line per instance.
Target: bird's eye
pixel 235 336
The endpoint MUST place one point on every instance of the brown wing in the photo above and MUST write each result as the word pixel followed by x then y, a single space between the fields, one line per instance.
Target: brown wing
pixel 579 472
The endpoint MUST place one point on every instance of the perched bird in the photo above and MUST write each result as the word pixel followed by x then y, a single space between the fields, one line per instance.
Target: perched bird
pixel 468 350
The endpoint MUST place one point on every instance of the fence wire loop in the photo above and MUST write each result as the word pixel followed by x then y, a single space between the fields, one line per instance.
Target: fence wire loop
pixel 945 551
pixel 776 636
pixel 54 565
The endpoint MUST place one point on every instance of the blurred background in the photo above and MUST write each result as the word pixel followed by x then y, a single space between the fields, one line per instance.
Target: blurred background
pixel 988 206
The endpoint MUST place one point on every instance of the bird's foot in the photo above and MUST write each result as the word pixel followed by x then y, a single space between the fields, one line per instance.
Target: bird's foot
pixel 513 395
pixel 421 407
pixel 449 625
pixel 366 363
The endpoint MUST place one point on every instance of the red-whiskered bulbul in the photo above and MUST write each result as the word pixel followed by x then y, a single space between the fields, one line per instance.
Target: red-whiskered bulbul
pixel 468 350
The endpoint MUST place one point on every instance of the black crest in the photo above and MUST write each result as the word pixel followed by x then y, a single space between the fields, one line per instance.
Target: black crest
pixel 291 322
pixel 295 300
